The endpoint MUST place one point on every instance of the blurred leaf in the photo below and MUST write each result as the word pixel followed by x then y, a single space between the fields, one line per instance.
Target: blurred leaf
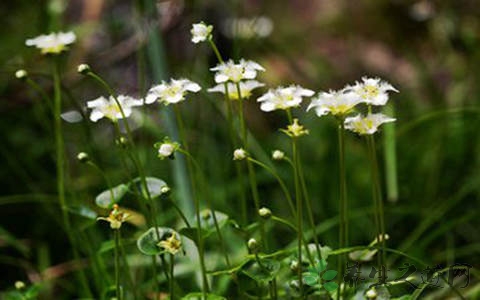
pixel 262 273
pixel 104 199
pixel 11 240
pixel 310 279
pixel 154 186
pixel 83 211
pixel 72 116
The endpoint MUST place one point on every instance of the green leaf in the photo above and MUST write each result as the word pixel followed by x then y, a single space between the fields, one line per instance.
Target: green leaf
pixel 104 199
pixel 83 211
pixel 147 242
pixel 310 279
pixel 264 273
pixel 32 292
pixel 154 186
pixel 199 296
pixel 321 266
pixel 207 221
pixel 330 286
pixel 329 275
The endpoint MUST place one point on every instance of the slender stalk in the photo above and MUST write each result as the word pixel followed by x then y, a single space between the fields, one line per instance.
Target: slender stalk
pixel 60 155
pixel 378 192
pixel 298 198
pixel 215 50
pixel 201 249
pixel 117 264
pixel 210 207
pixel 172 266
pixel 282 184
pixel 343 236
pixel 145 192
pixel 305 195
pixel 251 170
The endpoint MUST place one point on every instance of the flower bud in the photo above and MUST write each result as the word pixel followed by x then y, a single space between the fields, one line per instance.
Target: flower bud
pixel 166 150
pixel 19 285
pixel 122 142
pixel 21 74
pixel 83 69
pixel 83 157
pixel 206 214
pixel 165 189
pixel 265 213
pixel 252 245
pixel 239 154
pixel 278 155
pixel 371 294
pixel 294 265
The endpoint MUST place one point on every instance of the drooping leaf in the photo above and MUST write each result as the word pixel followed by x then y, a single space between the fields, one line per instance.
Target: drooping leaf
pixel 104 199
pixel 329 275
pixel 154 186
pixel 147 243
pixel 72 116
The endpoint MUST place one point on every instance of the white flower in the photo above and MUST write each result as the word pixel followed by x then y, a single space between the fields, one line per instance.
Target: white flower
pixel 372 91
pixel 283 97
pixel 108 108
pixel 366 125
pixel 337 103
pixel 53 43
pixel 239 154
pixel 201 32
pixel 172 92
pixel 83 68
pixel 246 88
pixel 230 71
pixel 21 74
pixel 278 155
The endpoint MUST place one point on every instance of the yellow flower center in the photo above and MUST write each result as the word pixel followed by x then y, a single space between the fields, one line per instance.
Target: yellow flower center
pixel 370 91
pixel 54 49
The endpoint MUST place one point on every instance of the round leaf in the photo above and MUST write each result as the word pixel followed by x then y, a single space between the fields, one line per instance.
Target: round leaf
pixel 264 273
pixel 154 186
pixel 310 279
pixel 104 199
pixel 330 286
pixel 329 275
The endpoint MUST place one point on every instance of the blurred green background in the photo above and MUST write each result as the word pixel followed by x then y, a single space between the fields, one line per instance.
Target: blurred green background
pixel 429 50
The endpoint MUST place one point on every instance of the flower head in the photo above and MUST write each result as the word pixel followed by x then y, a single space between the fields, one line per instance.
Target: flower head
pixel 372 91
pixel 246 88
pixel 53 43
pixel 295 129
pixel 283 97
pixel 116 217
pixel 230 71
pixel 21 74
pixel 368 124
pixel 337 103
pixel 239 154
pixel 83 69
pixel 172 244
pixel 278 155
pixel 166 148
pixel 201 32
pixel 108 108
pixel 172 92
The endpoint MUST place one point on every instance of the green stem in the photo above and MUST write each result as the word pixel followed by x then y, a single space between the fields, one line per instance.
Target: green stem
pixel 201 249
pixel 343 237
pixel 378 192
pixel 172 266
pixel 60 155
pixel 251 170
pixel 282 184
pixel 210 207
pixel 215 49
pixel 299 201
pixel 117 264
